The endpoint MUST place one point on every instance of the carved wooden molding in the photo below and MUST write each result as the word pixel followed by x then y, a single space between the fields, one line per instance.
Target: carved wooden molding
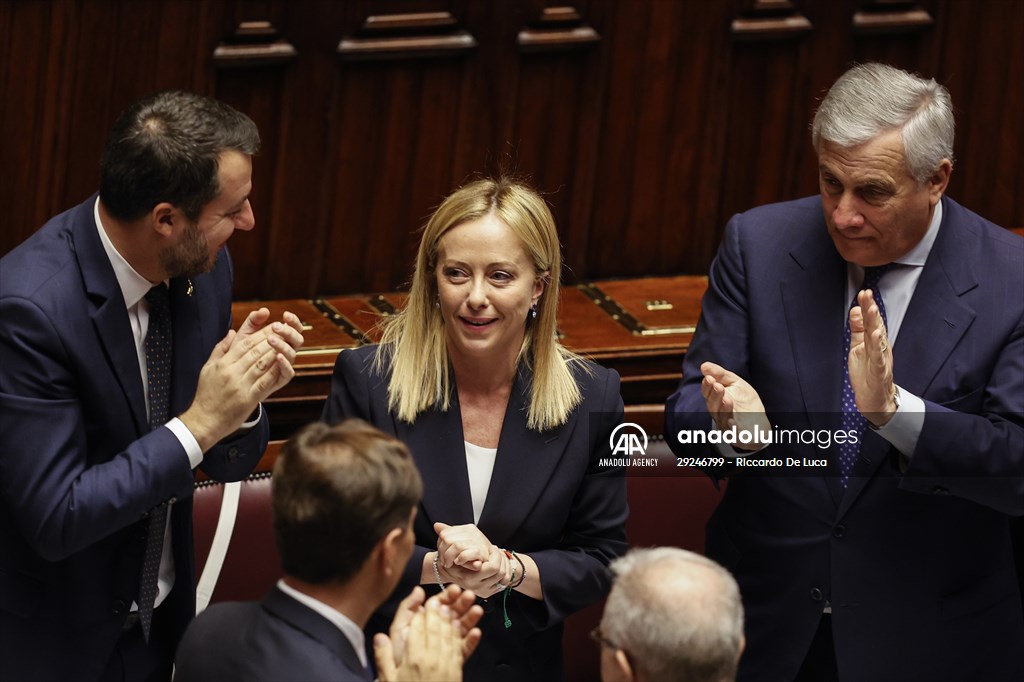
pixel 890 16
pixel 254 43
pixel 413 21
pixel 557 29
pixel 413 35
pixel 769 20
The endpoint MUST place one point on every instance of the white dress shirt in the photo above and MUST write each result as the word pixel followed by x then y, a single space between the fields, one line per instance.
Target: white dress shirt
pixel 134 288
pixel 480 465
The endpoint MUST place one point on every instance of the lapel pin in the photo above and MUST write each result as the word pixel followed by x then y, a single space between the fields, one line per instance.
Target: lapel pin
pixel 189 290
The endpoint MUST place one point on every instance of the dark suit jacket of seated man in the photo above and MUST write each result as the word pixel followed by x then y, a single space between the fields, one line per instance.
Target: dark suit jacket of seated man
pixel 901 568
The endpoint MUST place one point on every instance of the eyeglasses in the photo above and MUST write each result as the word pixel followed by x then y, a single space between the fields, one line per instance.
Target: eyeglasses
pixel 600 639
pixel 603 641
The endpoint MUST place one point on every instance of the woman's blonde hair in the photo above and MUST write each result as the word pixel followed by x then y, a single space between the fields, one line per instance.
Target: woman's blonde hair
pixel 414 340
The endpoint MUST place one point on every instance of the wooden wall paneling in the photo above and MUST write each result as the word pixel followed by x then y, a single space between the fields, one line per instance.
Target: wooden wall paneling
pixel 414 37
pixel 700 221
pixel 37 41
pixel 291 103
pixel 395 121
pixel 557 29
pixel 765 88
pixel 254 43
pixel 52 195
pixel 253 61
pixel 549 105
pixel 556 111
pixel 182 32
pixel 485 137
pixel 659 161
pixel 96 97
pixel 621 133
pixel 265 262
pixel 695 140
pixel 761 20
pixel 651 138
pixel 579 226
pixel 648 182
pixel 655 244
pixel 767 119
pixel 901 34
pixel 982 64
pixel 890 16
pixel 380 202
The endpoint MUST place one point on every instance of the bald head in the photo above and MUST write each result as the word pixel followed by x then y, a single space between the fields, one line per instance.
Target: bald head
pixel 673 615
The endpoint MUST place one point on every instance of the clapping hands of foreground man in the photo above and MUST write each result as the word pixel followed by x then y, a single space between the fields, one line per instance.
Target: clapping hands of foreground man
pixel 431 639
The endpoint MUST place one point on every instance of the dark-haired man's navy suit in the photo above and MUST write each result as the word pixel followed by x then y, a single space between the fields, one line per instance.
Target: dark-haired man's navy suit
pixel 275 639
pixel 914 559
pixel 79 467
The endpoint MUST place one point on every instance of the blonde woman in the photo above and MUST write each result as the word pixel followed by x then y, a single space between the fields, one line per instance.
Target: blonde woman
pixel 506 426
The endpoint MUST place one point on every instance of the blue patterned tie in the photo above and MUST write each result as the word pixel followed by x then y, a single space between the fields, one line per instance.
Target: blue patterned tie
pixel 852 419
pixel 158 370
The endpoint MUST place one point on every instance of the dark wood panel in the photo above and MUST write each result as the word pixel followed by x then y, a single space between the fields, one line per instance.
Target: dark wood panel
pixel 982 63
pixel 659 165
pixel 645 123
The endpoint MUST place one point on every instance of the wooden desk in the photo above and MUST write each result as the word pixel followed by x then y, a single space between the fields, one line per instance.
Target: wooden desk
pixel 639 327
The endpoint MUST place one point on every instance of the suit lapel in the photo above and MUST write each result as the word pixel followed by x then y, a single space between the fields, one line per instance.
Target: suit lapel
pixel 813 303
pixel 109 313
pixel 936 318
pixel 812 298
pixel 524 464
pixel 437 445
pixel 316 626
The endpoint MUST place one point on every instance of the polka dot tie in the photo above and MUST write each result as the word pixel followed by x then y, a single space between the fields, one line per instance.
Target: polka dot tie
pixel 158 370
pixel 852 419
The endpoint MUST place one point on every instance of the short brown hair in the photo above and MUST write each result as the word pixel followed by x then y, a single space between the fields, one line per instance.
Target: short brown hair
pixel 167 147
pixel 337 490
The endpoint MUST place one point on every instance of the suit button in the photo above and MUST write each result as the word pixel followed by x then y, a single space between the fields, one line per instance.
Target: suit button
pixel 815 594
pixel 839 530
pixel 118 606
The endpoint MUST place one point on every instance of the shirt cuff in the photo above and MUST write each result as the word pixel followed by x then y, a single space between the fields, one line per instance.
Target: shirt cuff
pixel 187 440
pixel 253 422
pixel 904 429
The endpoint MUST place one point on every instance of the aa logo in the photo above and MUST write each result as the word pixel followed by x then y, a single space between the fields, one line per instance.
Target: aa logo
pixel 628 439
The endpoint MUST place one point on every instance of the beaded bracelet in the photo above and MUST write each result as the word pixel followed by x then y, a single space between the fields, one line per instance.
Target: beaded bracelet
pixel 522 576
pixel 437 573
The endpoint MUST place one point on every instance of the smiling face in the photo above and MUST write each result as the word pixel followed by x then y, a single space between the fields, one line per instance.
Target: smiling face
pixel 486 283
pixel 196 248
pixel 876 212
